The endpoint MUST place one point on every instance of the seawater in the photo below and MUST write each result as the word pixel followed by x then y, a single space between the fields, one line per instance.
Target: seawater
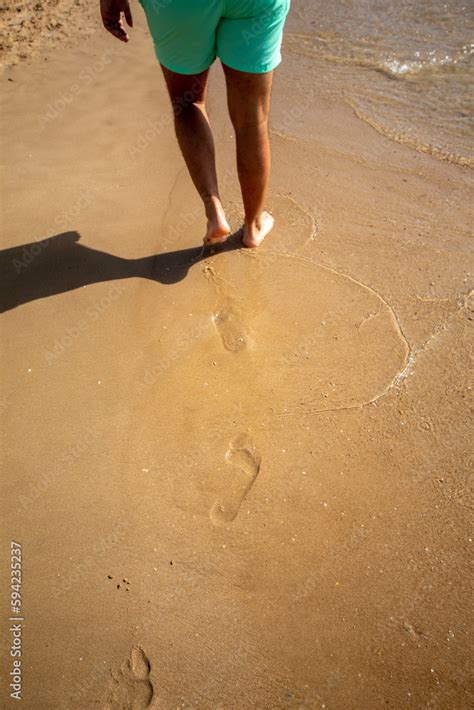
pixel 406 67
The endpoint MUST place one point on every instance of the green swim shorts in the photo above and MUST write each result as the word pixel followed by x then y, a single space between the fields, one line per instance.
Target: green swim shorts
pixel 189 34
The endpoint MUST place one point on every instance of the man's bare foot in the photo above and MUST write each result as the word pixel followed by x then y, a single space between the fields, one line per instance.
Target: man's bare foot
pixel 217 226
pixel 255 233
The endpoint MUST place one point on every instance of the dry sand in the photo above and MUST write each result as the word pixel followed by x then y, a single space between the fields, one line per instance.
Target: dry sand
pixel 239 479
pixel 31 26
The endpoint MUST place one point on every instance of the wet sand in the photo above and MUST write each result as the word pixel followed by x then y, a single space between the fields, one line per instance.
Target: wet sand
pixel 239 478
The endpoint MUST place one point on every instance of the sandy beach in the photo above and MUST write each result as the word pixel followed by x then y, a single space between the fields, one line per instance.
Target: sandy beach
pixel 239 478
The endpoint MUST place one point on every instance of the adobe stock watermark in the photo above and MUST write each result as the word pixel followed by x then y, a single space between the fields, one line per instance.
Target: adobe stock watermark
pixel 16 620
pixel 259 26
pixel 87 684
pixel 67 98
pixel 155 127
pixel 297 110
pixel 158 5
pixel 330 562
pixel 99 549
pixel 183 344
pixel 70 455
pixel 31 251
pixel 65 341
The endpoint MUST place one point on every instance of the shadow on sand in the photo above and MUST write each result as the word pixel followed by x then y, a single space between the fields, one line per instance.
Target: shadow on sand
pixel 59 264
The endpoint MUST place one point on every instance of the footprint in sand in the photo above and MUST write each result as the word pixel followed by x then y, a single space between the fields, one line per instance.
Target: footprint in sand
pixel 227 318
pixel 130 688
pixel 245 462
pixel 229 326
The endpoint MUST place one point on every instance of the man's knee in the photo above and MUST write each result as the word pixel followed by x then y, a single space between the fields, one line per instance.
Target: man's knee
pixel 185 104
pixel 250 122
pixel 185 91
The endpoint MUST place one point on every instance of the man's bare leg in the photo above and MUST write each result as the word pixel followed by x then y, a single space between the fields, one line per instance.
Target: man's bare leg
pixel 248 98
pixel 193 131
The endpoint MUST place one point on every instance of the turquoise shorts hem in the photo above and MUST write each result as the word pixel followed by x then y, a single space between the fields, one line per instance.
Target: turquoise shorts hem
pixel 252 69
pixel 178 69
pixel 238 66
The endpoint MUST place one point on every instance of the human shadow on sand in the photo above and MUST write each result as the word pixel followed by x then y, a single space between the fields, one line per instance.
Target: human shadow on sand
pixel 59 264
